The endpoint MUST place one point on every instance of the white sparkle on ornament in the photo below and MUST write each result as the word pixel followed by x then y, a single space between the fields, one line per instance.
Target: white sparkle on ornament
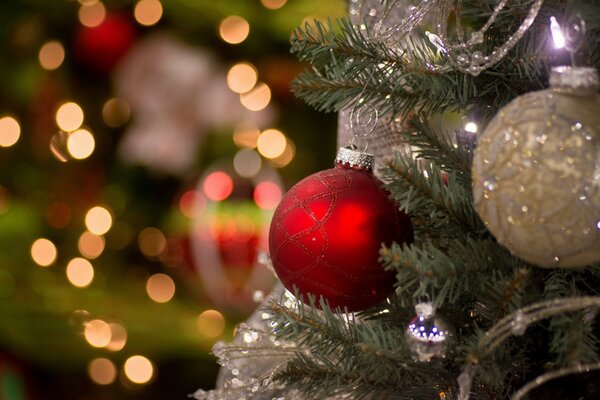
pixel 557 36
pixel 471 127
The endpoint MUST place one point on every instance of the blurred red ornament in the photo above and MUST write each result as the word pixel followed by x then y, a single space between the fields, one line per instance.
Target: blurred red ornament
pixel 326 234
pixel 101 47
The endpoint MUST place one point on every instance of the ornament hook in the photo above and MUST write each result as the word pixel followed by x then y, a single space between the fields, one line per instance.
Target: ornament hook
pixel 363 121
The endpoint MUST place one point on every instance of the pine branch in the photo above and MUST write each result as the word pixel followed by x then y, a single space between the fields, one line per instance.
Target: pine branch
pixel 445 210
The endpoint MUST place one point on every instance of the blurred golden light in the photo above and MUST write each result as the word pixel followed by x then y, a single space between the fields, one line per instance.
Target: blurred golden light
pixel 192 204
pixel 138 369
pixel 246 134
pixel 90 245
pixel 116 112
pixel 218 186
pixel 271 143
pixel 148 12
pixel 69 116
pixel 256 99
pixel 118 337
pixel 242 77
pixel 160 288
pixel 98 220
pixel 247 163
pixel 51 55
pixel 267 195
pixel 80 272
pixel 4 199
pixel 211 323
pixel 58 214
pixel 97 333
pixel 287 156
pixel 43 252
pixel 10 131
pixel 92 14
pixel 234 29
pixel 102 371
pixel 81 144
pixel 273 4
pixel 152 242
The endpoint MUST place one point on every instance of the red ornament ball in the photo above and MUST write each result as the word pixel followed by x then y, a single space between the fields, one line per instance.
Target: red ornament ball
pixel 101 47
pixel 326 234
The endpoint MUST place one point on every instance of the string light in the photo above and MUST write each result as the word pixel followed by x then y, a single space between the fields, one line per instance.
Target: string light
pixel 218 186
pixel 271 143
pixel 51 55
pixel 98 220
pixel 69 116
pixel 267 195
pixel 90 245
pixel 92 14
pixel 43 252
pixel 287 156
pixel 97 333
pixel 234 29
pixel 152 242
pixel 10 131
pixel 102 371
pixel 192 204
pixel 80 272
pixel 273 4
pixel 80 144
pixel 247 163
pixel 160 288
pixel 246 134
pixel 116 112
pixel 148 12
pixel 138 369
pixel 211 323
pixel 471 127
pixel 242 77
pixel 118 337
pixel 256 99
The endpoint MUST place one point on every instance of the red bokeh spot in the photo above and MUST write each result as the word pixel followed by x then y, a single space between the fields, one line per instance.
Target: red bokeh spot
pixel 192 204
pixel 267 195
pixel 218 186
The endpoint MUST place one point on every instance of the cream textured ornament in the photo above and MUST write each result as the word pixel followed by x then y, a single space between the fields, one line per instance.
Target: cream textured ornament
pixel 536 172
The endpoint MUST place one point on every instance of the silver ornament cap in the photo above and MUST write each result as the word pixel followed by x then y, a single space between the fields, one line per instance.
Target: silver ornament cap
pixel 352 158
pixel 575 80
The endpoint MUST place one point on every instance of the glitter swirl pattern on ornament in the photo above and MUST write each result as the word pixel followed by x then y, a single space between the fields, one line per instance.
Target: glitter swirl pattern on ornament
pixel 536 178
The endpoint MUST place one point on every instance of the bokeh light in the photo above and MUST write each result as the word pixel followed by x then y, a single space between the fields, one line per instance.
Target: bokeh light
pixel 97 333
pixel 92 14
pixel 116 112
pixel 152 242
pixel 148 12
pixel 247 163
pixel 90 245
pixel 218 186
pixel 80 144
pixel 98 220
pixel 138 369
pixel 211 323
pixel 51 55
pixel 118 337
pixel 267 195
pixel 287 156
pixel 69 116
pixel 273 4
pixel 10 131
pixel 271 143
pixel 160 288
pixel 43 252
pixel 102 371
pixel 242 77
pixel 234 29
pixel 256 99
pixel 192 204
pixel 80 272
pixel 246 134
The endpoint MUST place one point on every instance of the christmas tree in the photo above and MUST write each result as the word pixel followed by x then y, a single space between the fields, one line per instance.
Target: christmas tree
pixel 484 116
